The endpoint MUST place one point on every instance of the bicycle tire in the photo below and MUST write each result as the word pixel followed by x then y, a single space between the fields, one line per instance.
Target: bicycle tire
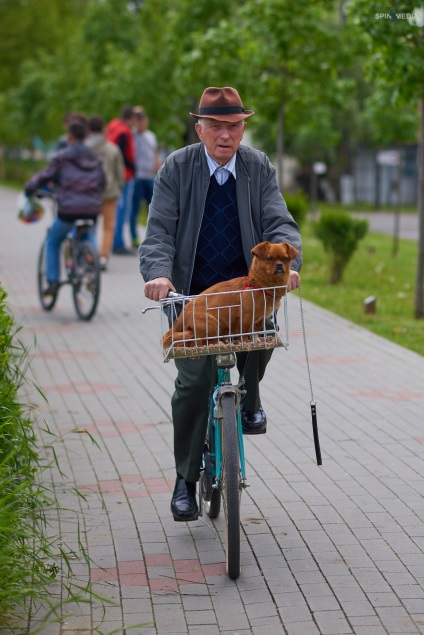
pixel 231 485
pixel 86 280
pixel 47 301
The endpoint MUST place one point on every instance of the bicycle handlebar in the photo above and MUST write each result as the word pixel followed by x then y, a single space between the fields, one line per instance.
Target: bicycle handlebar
pixel 170 296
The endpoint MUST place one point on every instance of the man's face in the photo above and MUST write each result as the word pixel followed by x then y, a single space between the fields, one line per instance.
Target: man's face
pixel 141 124
pixel 221 138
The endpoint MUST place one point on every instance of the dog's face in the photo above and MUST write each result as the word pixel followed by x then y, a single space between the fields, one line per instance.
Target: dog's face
pixel 274 259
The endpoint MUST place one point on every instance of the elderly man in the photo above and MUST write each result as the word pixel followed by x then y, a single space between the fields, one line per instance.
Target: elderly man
pixel 212 203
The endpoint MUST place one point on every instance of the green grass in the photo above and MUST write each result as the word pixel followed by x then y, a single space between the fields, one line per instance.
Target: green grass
pixel 372 271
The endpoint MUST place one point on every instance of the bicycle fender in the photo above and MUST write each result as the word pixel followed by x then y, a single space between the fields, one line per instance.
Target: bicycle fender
pixel 217 396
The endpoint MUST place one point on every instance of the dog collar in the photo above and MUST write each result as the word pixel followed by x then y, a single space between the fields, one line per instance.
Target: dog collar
pixel 249 285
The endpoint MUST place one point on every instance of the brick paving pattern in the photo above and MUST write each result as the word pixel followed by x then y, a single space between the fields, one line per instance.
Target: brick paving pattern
pixel 328 550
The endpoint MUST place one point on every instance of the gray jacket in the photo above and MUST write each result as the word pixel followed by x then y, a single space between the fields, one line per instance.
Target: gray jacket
pixel 176 212
pixel 112 161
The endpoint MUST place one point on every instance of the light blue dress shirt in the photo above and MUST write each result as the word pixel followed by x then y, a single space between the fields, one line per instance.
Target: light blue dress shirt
pixel 221 172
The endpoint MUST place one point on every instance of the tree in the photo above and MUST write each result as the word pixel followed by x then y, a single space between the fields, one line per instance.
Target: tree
pixel 285 61
pixel 395 42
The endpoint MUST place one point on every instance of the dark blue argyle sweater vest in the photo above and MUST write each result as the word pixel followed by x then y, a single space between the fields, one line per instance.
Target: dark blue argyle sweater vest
pixel 219 254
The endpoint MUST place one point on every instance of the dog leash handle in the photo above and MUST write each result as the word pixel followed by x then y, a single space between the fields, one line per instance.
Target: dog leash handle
pixel 313 403
pixel 315 431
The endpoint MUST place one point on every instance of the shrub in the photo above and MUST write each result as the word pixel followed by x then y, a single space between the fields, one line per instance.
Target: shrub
pixel 340 235
pixel 17 172
pixel 297 204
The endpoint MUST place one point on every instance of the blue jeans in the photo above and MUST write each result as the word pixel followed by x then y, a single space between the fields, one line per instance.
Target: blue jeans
pixel 57 234
pixel 123 211
pixel 143 191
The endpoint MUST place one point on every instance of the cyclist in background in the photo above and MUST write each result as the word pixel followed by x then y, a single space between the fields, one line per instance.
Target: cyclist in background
pixel 77 174
pixel 212 203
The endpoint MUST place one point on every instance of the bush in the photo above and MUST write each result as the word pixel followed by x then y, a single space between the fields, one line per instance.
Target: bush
pixel 340 235
pixel 16 172
pixel 297 204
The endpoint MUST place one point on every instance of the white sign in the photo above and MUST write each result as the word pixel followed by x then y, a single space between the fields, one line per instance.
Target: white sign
pixel 320 167
pixel 388 157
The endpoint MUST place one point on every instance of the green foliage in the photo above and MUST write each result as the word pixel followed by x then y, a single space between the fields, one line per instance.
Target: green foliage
pixel 395 46
pixel 29 559
pixel 23 565
pixel 17 172
pixel 30 28
pixel 305 67
pixel 297 205
pixel 340 235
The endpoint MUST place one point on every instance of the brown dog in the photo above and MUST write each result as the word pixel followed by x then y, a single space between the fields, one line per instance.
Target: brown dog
pixel 225 314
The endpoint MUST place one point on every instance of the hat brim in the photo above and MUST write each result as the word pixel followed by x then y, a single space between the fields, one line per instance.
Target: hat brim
pixel 233 118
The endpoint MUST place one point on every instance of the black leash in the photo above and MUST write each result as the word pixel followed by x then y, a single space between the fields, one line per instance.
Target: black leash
pixel 313 403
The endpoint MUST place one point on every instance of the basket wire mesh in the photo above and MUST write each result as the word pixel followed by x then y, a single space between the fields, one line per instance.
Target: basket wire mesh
pixel 224 322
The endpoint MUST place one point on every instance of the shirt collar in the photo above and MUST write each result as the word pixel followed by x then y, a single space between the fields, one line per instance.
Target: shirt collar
pixel 213 165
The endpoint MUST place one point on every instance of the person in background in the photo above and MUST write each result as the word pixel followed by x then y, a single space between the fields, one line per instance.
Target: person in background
pixel 113 167
pixel 69 117
pixel 147 163
pixel 119 132
pixel 79 180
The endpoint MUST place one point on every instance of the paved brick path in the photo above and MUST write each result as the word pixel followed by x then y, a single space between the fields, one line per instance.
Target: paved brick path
pixel 331 550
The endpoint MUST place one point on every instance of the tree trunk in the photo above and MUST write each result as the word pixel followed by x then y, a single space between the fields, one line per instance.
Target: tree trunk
pixel 398 202
pixel 419 289
pixel 280 146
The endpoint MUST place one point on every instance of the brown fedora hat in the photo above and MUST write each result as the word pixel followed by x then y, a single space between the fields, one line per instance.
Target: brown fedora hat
pixel 223 104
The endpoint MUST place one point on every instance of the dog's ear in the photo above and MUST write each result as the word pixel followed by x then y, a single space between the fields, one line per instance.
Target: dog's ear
pixel 292 252
pixel 261 249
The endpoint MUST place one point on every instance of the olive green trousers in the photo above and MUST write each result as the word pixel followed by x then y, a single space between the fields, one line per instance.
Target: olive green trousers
pixel 190 403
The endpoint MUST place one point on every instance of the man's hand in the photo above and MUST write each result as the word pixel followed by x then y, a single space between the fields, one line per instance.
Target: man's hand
pixel 158 288
pixel 294 281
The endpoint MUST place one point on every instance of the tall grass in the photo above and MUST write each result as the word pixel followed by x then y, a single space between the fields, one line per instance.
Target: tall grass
pixel 32 557
pixel 29 560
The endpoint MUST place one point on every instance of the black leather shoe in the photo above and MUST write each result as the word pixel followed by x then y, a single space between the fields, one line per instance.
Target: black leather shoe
pixel 183 504
pixel 252 422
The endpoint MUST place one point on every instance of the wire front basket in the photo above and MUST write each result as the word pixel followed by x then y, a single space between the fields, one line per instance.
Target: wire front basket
pixel 229 321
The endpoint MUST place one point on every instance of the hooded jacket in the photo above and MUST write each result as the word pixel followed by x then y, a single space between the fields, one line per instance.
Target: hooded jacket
pixel 176 212
pixel 119 132
pixel 79 178
pixel 112 161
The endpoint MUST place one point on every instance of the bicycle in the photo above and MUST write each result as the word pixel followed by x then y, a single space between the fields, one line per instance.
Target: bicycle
pixel 223 469
pixel 81 266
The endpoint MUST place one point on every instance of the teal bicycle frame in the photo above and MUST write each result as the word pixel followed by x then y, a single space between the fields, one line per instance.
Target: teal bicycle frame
pixel 215 429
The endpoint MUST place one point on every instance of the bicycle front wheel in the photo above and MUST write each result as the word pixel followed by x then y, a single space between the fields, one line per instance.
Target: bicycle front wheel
pixel 86 280
pixel 47 301
pixel 231 484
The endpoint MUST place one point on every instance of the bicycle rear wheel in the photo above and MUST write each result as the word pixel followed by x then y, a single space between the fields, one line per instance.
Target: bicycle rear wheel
pixel 231 484
pixel 47 301
pixel 86 280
